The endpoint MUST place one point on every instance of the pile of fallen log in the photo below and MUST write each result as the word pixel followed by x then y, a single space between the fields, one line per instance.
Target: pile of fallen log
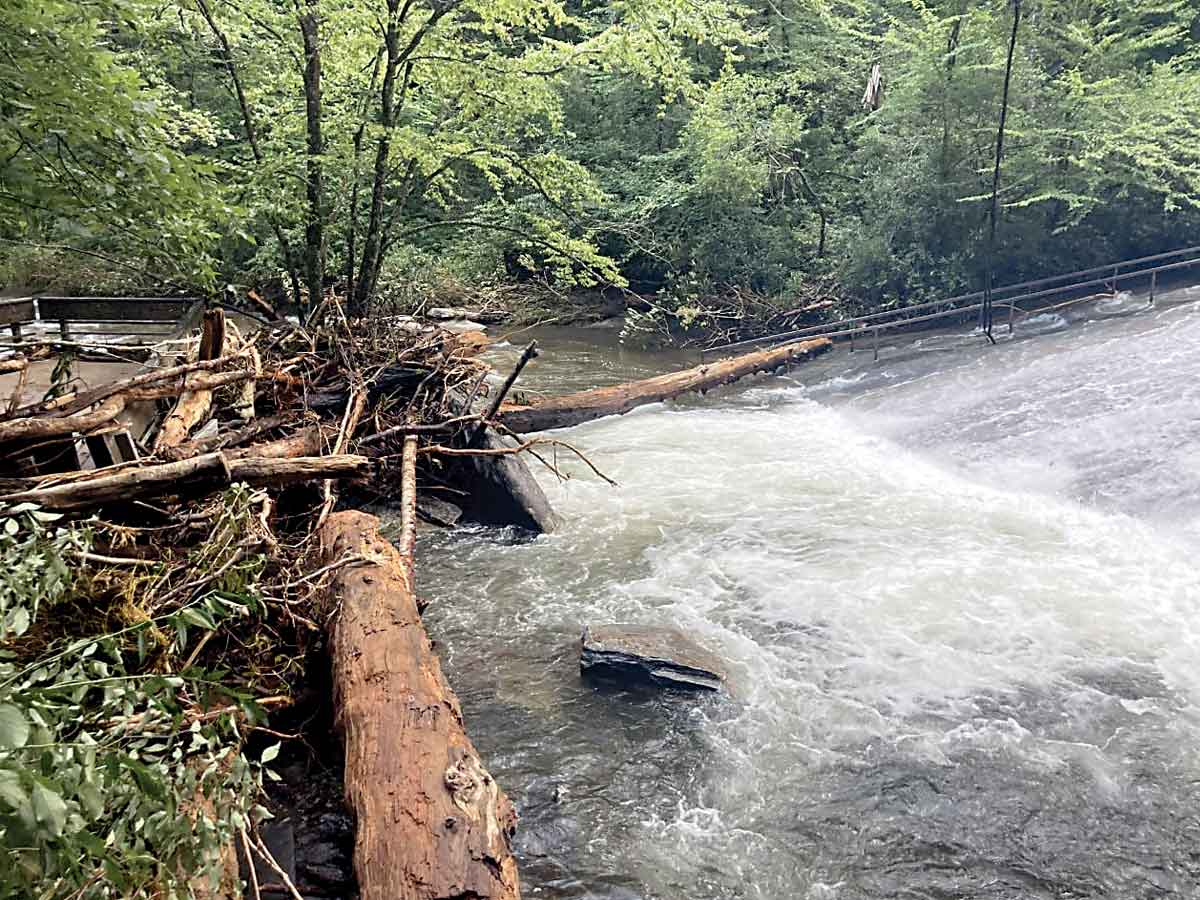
pixel 305 419
pixel 290 423
pixel 330 404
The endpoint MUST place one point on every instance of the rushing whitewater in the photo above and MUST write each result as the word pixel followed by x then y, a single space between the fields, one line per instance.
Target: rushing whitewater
pixel 959 593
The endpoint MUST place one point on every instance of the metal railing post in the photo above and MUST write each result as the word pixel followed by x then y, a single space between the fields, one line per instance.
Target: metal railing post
pixel 875 332
pixel 1153 286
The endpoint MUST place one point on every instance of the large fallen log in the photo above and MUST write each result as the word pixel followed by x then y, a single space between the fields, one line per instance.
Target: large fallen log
pixel 574 409
pixel 432 824
pixel 209 472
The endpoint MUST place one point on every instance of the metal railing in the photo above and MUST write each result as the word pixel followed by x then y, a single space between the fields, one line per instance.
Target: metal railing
pixel 1005 297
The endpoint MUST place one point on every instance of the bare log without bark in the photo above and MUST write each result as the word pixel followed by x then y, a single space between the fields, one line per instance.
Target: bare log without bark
pixel 574 409
pixel 194 403
pixel 46 427
pixel 432 823
pixel 210 472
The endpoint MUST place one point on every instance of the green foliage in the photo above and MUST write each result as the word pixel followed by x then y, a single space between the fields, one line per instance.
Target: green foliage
pixel 659 144
pixel 121 773
pixel 98 152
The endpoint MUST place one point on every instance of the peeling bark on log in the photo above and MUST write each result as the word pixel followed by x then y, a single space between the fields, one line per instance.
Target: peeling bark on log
pixel 306 442
pixel 574 409
pixel 210 472
pixel 432 824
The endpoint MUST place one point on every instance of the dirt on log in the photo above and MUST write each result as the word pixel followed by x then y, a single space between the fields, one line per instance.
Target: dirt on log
pixel 574 409
pixel 432 824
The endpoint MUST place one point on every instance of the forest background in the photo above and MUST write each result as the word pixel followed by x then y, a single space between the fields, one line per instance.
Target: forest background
pixel 399 150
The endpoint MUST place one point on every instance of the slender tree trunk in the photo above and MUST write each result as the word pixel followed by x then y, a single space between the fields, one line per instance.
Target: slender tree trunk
pixel 352 214
pixel 820 208
pixel 372 239
pixel 391 100
pixel 226 54
pixel 993 212
pixel 314 231
pixel 951 59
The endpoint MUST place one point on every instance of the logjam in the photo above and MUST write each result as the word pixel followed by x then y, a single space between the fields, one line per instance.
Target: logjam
pixel 574 409
pixel 432 823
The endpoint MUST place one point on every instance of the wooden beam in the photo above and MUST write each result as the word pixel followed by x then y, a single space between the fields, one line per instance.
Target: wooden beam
pixel 112 309
pixel 17 312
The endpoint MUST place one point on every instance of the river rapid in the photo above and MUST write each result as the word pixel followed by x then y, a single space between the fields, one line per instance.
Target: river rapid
pixel 959 594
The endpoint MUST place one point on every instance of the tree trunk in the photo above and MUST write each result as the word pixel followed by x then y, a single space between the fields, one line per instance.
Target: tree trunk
pixel 226 53
pixel 432 824
pixel 373 237
pixel 574 409
pixel 314 231
pixel 201 474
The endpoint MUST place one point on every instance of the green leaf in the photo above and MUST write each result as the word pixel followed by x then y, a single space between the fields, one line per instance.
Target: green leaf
pixel 194 616
pixel 270 753
pixel 49 809
pixel 14 727
pixel 11 791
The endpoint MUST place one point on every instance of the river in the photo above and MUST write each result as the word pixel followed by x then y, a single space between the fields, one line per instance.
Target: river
pixel 959 595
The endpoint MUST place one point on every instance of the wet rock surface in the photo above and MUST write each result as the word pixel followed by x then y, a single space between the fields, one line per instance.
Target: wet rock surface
pixel 647 654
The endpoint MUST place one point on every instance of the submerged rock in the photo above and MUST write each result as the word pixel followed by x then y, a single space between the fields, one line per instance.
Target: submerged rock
pixel 438 512
pixel 662 656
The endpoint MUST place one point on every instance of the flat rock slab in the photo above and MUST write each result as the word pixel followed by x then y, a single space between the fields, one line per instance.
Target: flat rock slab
pixel 644 653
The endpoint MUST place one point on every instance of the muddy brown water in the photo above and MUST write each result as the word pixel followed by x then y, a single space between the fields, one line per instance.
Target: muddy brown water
pixel 958 588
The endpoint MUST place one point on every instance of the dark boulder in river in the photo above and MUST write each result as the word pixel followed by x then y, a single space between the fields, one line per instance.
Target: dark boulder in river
pixel 663 656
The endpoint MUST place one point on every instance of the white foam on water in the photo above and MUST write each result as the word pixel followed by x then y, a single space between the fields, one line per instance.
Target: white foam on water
pixel 967 570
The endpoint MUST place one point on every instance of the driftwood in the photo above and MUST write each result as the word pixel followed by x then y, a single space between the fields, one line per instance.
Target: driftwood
pixel 69 405
pixel 472 314
pixel 46 427
pixel 574 409
pixel 210 472
pixel 432 823
pixel 194 402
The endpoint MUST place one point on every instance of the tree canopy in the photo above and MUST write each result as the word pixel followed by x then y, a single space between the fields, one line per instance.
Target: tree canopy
pixel 669 146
